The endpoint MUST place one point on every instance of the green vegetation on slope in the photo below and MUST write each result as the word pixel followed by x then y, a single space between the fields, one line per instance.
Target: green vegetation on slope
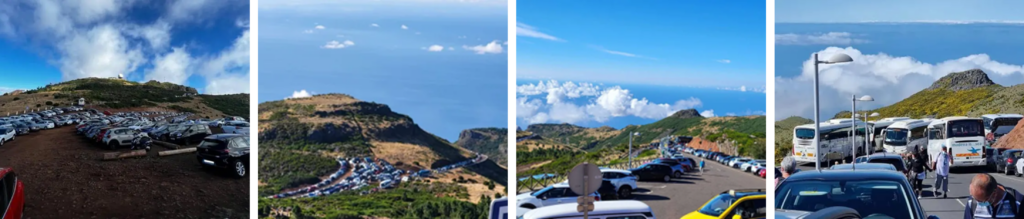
pixel 493 143
pixel 231 104
pixel 415 200
pixel 936 102
pixel 281 169
pixel 116 93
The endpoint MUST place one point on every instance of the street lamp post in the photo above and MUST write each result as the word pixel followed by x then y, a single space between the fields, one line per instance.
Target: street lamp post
pixel 853 120
pixel 630 154
pixel 838 58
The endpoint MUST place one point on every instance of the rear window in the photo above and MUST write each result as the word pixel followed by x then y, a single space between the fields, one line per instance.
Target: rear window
pixel 804 133
pixel 211 143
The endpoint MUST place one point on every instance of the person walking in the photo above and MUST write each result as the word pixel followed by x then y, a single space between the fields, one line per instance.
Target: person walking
pixel 788 167
pixel 941 167
pixel 989 199
pixel 702 166
pixel 919 166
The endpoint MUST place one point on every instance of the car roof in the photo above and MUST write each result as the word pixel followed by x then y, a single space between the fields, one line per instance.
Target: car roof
pixel 224 136
pixel 883 155
pixel 616 171
pixel 601 207
pixel 846 175
pixel 874 166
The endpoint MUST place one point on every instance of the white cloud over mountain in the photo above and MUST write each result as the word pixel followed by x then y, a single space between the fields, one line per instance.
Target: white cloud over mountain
pixel 887 78
pixel 558 103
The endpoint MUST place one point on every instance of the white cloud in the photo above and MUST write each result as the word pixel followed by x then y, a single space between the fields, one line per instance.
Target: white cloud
pixel 887 78
pixel 171 67
pixel 601 105
pixel 743 88
pixel 242 22
pixel 830 38
pixel 726 61
pixel 320 27
pixel 374 25
pixel 99 52
pixel 404 27
pixel 494 47
pixel 300 94
pixel 334 44
pixel 307 31
pixel 435 48
pixel 228 71
pixel 529 31
pixel 451 48
pixel 730 114
pixel 193 10
pixel 708 113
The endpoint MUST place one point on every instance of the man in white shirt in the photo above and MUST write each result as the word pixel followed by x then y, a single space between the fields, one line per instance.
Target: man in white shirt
pixel 941 167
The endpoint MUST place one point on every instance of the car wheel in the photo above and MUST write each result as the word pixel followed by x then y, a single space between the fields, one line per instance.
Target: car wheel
pixel 1006 171
pixel 112 145
pixel 625 192
pixel 667 178
pixel 678 174
pixel 239 168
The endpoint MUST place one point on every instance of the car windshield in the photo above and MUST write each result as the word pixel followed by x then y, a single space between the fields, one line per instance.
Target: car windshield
pixel 898 163
pixel 538 192
pixel 867 197
pixel 896 137
pixel 965 128
pixel 4 130
pixel 718 205
pixel 175 128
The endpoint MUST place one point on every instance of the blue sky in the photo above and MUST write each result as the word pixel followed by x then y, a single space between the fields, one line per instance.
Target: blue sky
pixel 891 61
pixel 647 60
pixel 199 43
pixel 797 11
pixel 447 69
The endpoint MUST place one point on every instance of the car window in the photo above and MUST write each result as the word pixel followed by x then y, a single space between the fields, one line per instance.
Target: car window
pixel 7 187
pixel 555 193
pixel 608 175
pixel 867 197
pixel 754 208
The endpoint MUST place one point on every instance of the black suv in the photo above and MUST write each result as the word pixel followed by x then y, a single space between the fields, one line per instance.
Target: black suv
pixel 225 151
pixel 190 133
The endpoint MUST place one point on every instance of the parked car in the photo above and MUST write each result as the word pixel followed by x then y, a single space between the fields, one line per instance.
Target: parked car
pixel 677 167
pixel 226 151
pixel 624 182
pixel 191 133
pixel 118 137
pixel 628 209
pixel 1006 161
pixel 7 134
pixel 653 171
pixel 11 188
pixel 748 203
pixel 548 196
pixel 885 194
pixel 236 127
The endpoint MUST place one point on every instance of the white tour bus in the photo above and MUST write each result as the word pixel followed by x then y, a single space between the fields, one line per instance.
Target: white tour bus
pixel 997 125
pixel 965 136
pixel 905 134
pixel 835 140
pixel 877 128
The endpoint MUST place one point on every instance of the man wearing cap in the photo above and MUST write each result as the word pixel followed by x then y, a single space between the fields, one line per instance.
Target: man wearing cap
pixel 941 165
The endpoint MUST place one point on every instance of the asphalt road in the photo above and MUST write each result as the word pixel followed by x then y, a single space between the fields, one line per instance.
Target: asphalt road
pixel 682 196
pixel 959 180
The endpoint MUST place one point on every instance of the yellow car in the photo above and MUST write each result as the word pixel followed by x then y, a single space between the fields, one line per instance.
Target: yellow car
pixel 733 204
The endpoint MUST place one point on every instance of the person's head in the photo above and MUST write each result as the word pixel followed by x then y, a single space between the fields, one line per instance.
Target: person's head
pixel 984 189
pixel 788 166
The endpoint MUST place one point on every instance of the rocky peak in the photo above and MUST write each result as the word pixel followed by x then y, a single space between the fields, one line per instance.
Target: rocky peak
pixel 686 114
pixel 964 80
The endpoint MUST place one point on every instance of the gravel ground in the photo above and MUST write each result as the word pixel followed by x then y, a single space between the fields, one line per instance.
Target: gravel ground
pixel 65 178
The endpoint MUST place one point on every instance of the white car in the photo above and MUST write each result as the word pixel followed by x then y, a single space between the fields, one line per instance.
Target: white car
pixel 624 181
pixel 237 127
pixel 602 210
pixel 1020 166
pixel 735 161
pixel 548 196
pixel 6 134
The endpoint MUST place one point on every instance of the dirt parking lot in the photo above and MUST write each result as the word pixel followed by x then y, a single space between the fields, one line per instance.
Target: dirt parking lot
pixel 65 178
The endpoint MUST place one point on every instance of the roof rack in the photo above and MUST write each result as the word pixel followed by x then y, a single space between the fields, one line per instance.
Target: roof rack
pixel 733 192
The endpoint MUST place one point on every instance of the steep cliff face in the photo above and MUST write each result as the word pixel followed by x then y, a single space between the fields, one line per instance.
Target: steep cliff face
pixel 488 141
pixel 964 80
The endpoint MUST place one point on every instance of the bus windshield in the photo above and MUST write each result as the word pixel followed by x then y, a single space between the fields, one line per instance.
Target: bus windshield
pixel 965 128
pixel 896 137
pixel 805 133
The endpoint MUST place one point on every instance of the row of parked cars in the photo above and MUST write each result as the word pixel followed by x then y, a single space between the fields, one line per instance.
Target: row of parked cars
pixel 23 124
pixel 746 164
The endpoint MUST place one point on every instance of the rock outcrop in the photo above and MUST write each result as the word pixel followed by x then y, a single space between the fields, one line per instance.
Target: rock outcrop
pixel 964 80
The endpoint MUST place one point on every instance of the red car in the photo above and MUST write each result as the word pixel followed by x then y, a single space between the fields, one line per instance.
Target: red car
pixel 762 172
pixel 11 188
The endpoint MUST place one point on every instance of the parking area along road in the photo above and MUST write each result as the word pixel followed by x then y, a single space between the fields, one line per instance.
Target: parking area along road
pixel 959 181
pixel 682 196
